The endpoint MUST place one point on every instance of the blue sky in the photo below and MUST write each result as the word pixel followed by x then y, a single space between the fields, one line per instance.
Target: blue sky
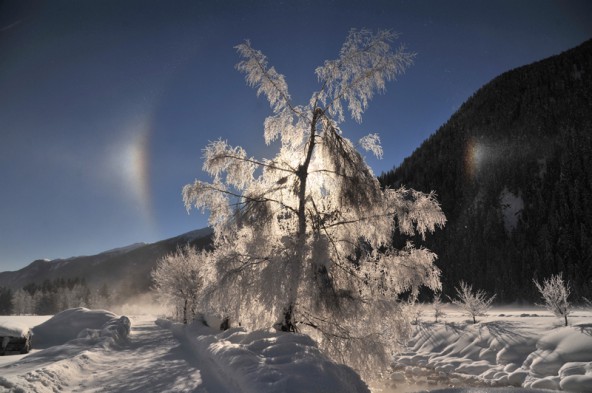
pixel 106 105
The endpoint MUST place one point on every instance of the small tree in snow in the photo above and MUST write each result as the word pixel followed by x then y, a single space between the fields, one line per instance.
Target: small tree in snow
pixel 474 304
pixel 437 305
pixel 304 240
pixel 555 292
pixel 177 279
pixel 415 309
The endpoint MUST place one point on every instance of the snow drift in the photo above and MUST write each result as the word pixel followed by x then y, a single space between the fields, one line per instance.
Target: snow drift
pixel 68 338
pixel 265 360
pixel 78 323
pixel 501 353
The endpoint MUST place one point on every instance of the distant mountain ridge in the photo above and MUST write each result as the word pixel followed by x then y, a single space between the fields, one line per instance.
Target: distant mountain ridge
pixel 513 171
pixel 125 269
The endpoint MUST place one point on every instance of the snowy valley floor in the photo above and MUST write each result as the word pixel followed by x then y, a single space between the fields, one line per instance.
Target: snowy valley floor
pixel 511 346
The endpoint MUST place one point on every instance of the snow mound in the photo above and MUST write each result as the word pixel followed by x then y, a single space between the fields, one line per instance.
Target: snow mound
pixel 266 361
pixel 502 353
pixel 72 339
pixel 13 329
pixel 69 324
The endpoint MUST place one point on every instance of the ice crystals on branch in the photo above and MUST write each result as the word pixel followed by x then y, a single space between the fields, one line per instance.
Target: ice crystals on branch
pixel 303 240
pixel 371 143
pixel 365 64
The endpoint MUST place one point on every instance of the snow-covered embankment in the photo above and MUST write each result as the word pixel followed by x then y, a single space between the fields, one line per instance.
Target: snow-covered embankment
pixel 265 360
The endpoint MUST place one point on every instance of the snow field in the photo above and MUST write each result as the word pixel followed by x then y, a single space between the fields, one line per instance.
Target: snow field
pixel 265 361
pixel 529 350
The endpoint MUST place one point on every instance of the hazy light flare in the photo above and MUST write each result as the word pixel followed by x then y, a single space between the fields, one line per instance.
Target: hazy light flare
pixel 131 165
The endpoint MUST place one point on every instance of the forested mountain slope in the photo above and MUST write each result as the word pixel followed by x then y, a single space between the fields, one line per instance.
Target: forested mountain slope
pixel 125 270
pixel 513 171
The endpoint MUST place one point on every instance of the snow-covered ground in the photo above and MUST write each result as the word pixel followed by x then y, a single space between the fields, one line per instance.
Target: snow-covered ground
pixel 91 352
pixel 526 347
pixel 168 357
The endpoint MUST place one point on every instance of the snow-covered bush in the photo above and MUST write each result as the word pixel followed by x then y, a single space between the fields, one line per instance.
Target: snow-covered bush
pixel 555 292
pixel 474 304
pixel 303 240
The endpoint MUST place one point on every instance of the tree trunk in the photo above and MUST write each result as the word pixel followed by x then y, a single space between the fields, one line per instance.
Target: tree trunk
pixel 565 316
pixel 474 320
pixel 303 175
pixel 185 312
pixel 288 324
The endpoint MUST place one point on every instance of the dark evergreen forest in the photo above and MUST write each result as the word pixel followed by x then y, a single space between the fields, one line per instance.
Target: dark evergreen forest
pixel 513 171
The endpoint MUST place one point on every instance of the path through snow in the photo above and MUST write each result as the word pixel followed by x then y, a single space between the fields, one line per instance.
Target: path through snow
pixel 170 357
pixel 152 361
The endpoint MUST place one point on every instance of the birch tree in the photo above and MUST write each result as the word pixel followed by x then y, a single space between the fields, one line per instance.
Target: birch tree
pixel 556 292
pixel 177 279
pixel 303 240
pixel 473 303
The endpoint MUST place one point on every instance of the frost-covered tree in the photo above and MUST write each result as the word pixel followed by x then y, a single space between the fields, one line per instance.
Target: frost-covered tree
pixel 24 303
pixel 438 306
pixel 555 292
pixel 474 304
pixel 100 298
pixel 70 297
pixel 416 310
pixel 177 279
pixel 303 240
